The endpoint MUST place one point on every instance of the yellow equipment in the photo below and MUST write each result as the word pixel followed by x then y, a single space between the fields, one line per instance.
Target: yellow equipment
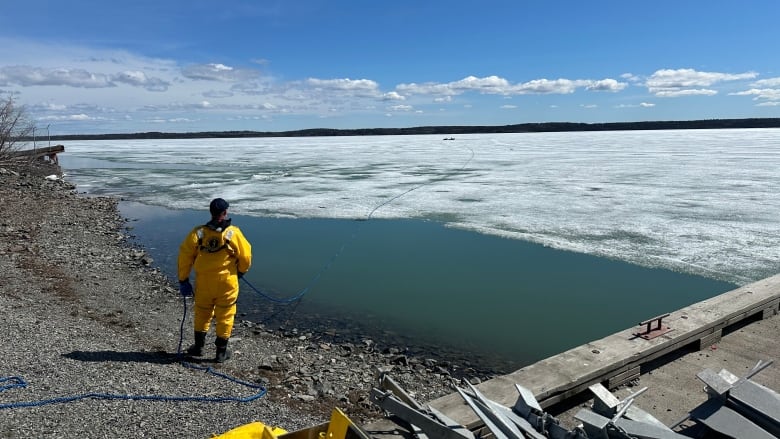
pixel 339 427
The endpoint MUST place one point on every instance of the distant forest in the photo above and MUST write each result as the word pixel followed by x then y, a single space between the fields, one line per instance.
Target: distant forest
pixel 450 130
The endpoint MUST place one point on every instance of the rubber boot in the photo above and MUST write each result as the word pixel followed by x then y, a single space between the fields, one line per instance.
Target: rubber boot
pixel 223 354
pixel 196 350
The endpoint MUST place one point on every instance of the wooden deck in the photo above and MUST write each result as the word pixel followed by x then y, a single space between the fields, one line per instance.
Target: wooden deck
pixel 49 152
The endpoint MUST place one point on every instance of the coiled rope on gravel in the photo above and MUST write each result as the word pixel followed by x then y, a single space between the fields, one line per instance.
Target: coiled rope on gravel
pixel 17 382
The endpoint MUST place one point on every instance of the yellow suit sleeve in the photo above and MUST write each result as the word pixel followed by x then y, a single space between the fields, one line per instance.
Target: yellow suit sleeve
pixel 188 251
pixel 243 251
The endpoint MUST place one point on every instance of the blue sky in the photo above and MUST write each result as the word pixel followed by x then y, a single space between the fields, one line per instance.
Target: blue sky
pixel 89 66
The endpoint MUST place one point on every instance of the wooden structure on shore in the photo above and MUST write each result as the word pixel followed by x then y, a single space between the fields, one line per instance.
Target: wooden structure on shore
pixel 46 153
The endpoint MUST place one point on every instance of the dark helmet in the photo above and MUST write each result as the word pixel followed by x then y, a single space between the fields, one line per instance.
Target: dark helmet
pixel 217 206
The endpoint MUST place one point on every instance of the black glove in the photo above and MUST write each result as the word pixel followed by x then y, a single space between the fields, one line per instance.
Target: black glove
pixel 185 288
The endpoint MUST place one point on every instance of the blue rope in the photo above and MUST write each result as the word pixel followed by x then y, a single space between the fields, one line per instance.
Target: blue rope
pixel 19 382
pixel 115 396
pixel 16 382
pixel 306 289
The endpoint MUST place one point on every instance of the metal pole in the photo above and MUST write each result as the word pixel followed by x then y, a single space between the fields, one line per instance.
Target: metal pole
pixel 48 134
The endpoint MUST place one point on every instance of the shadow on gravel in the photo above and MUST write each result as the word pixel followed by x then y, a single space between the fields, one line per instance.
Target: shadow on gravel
pixel 159 357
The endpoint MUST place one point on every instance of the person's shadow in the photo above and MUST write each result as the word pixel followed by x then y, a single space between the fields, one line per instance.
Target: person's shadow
pixel 159 357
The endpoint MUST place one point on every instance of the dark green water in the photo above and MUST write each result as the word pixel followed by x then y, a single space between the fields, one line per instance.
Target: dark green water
pixel 496 302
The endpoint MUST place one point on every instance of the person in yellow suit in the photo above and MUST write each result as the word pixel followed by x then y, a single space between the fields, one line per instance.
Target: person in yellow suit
pixel 220 255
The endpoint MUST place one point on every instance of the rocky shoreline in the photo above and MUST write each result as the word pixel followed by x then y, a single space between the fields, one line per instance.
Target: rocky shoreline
pixel 85 312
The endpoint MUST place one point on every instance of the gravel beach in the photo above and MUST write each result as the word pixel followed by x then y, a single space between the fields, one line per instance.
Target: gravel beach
pixel 93 330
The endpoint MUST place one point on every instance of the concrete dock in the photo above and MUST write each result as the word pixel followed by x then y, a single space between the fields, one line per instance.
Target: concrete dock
pixel 733 331
pixel 672 386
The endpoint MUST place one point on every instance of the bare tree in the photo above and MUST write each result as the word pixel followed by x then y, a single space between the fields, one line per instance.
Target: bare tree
pixel 15 128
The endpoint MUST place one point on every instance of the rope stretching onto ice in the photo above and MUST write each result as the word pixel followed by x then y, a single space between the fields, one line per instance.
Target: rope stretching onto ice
pixel 296 297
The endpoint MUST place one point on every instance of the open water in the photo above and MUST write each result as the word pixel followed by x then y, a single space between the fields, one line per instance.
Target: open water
pixel 502 248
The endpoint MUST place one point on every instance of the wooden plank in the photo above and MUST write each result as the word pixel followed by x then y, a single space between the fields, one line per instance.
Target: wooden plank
pixel 39 152
pixel 621 378
pixel 710 339
pixel 771 310
pixel 561 376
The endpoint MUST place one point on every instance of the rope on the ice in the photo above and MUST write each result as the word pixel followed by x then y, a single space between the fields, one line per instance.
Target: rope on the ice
pixel 298 296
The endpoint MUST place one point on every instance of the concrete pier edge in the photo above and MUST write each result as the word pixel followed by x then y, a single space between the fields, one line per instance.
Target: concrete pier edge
pixel 618 358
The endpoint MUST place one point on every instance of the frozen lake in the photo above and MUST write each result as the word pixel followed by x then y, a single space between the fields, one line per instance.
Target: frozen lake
pixel 618 225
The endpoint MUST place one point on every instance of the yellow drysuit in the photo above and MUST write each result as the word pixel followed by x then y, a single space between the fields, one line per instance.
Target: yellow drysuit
pixel 217 255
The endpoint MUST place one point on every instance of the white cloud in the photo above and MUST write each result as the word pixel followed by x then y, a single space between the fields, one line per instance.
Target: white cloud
pixel 400 108
pixel 486 85
pixel 138 78
pixel 52 107
pixel 171 120
pixel 674 93
pixel 217 94
pixel 630 77
pixel 393 96
pixel 769 82
pixel 688 82
pixel 218 72
pixel 27 76
pixel 500 86
pixel 769 94
pixel 71 117
pixel 766 90
pixel 345 84
pixel 549 86
pixel 489 84
pixel 641 105
pixel 426 88
pixel 606 85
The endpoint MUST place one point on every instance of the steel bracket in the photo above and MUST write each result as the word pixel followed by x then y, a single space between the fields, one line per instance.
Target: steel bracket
pixel 651 331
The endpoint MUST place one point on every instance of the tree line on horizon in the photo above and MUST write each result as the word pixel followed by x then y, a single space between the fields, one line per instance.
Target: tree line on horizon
pixel 447 130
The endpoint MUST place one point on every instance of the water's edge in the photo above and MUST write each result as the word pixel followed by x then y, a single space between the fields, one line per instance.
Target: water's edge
pixel 427 289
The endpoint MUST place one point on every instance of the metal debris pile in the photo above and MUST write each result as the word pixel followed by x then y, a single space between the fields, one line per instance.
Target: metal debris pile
pixel 736 407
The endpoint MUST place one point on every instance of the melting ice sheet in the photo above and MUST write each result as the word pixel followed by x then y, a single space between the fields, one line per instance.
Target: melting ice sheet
pixel 695 201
